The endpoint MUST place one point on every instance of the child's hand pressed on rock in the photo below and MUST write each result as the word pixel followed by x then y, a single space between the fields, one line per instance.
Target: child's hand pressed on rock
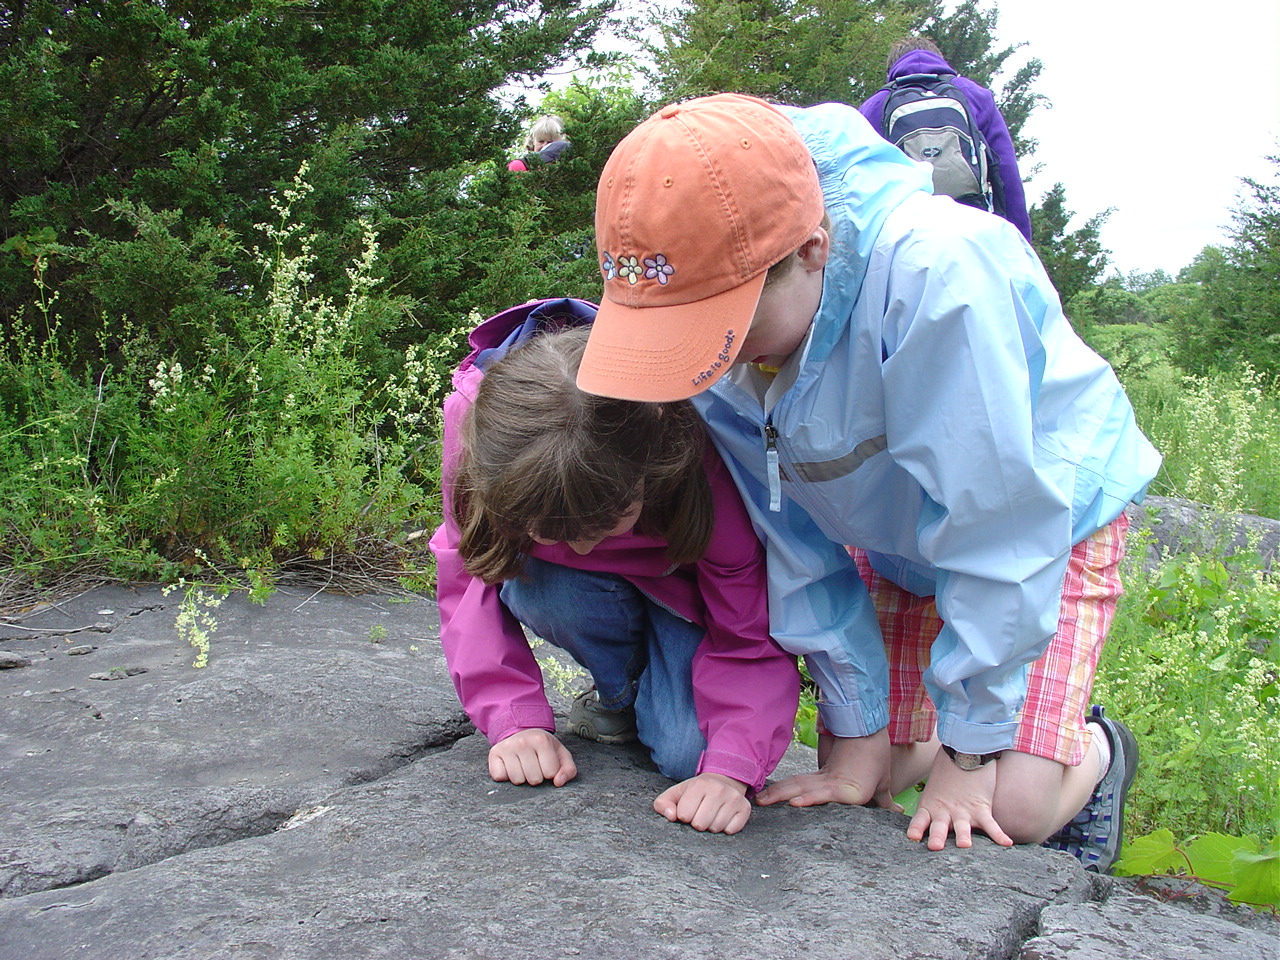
pixel 531 756
pixel 710 801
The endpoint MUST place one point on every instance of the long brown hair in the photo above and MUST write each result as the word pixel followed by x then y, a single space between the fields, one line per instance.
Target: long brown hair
pixel 539 456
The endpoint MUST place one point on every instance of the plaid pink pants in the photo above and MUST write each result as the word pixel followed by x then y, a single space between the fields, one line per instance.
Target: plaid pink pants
pixel 1051 722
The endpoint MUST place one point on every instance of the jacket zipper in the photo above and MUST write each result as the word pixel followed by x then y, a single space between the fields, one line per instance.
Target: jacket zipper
pixel 771 459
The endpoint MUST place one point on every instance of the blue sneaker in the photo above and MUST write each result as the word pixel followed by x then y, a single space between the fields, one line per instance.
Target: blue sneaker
pixel 1093 836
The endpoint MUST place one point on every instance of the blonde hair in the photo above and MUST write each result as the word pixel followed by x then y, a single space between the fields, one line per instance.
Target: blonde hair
pixel 547 128
pixel 539 456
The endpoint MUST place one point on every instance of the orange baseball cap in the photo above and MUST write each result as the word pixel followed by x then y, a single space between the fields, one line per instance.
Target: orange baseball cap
pixel 693 208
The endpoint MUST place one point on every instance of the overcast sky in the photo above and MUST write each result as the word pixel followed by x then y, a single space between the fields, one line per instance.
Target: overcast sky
pixel 1158 109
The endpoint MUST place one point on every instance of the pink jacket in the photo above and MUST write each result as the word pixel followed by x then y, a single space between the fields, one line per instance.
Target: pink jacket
pixel 745 686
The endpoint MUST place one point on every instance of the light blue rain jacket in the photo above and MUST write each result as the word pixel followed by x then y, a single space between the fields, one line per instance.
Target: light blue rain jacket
pixel 945 417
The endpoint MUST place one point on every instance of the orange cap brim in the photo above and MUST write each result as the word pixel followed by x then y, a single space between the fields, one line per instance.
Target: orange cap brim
pixel 659 354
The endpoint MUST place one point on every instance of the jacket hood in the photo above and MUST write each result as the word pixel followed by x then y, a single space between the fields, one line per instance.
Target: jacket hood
pixel 864 179
pixel 492 339
pixel 919 61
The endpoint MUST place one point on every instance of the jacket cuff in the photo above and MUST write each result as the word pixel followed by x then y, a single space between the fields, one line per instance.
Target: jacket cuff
pixel 969 737
pixel 744 769
pixel 850 720
pixel 520 717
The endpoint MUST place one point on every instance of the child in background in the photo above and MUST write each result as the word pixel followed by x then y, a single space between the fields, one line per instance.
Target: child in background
pixel 910 388
pixel 612 530
pixel 545 143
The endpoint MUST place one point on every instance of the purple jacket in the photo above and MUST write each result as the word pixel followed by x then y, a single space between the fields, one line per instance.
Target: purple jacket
pixel 985 114
pixel 745 687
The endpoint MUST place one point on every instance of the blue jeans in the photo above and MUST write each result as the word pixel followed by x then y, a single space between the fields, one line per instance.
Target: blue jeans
pixel 637 652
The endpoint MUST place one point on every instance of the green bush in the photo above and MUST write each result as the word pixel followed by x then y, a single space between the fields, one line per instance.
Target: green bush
pixel 278 447
pixel 1191 666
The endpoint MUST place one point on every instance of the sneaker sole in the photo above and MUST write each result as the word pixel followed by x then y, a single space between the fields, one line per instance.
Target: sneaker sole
pixel 586 733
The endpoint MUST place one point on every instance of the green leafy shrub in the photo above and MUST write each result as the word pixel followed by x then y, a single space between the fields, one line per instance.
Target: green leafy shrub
pixel 1218 434
pixel 1217 431
pixel 273 446
pixel 1192 665
pixel 1247 869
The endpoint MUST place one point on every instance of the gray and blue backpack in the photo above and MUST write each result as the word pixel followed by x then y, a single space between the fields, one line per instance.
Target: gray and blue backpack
pixel 928 118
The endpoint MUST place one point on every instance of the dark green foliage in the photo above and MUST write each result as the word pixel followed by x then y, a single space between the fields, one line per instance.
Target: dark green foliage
pixel 812 51
pixel 1243 295
pixel 1074 260
pixel 525 235
pixel 793 51
pixel 1108 304
pixel 1224 311
pixel 1206 266
pixel 278 446
pixel 1140 281
pixel 967 40
pixel 150 137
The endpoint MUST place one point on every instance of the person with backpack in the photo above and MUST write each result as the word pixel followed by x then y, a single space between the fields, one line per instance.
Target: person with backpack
pixel 612 530
pixel 936 115
pixel 887 369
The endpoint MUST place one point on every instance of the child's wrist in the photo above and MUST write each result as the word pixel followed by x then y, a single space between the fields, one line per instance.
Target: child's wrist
pixel 731 781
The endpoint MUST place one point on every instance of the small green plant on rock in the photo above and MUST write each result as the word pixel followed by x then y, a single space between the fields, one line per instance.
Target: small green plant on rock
pixel 196 622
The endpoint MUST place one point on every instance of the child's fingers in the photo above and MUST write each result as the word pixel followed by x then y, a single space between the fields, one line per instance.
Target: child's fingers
pixel 705 804
pixel 683 803
pixel 933 828
pixel 562 769
pixel 884 799
pixel 938 834
pixel 988 825
pixel 697 811
pixel 730 814
pixel 667 803
pixel 918 825
pixel 739 818
pixel 714 809
pixel 524 768
pixel 546 758
pixel 813 789
pixel 789 789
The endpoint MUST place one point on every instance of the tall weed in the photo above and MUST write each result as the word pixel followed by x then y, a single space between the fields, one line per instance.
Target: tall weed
pixel 1218 432
pixel 278 445
pixel 1191 666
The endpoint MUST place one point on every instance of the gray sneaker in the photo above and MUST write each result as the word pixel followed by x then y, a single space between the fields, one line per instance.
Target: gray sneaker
pixel 590 721
pixel 1094 835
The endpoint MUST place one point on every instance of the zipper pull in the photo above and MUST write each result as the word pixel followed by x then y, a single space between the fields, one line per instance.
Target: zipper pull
pixel 771 460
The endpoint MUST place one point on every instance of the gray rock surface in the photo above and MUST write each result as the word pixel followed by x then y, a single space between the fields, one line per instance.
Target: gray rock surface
pixel 316 791
pixel 1179 526
pixel 1132 926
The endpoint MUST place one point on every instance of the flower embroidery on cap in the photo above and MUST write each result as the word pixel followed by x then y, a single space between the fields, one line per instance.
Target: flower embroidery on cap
pixel 657 266
pixel 629 269
pixel 607 267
